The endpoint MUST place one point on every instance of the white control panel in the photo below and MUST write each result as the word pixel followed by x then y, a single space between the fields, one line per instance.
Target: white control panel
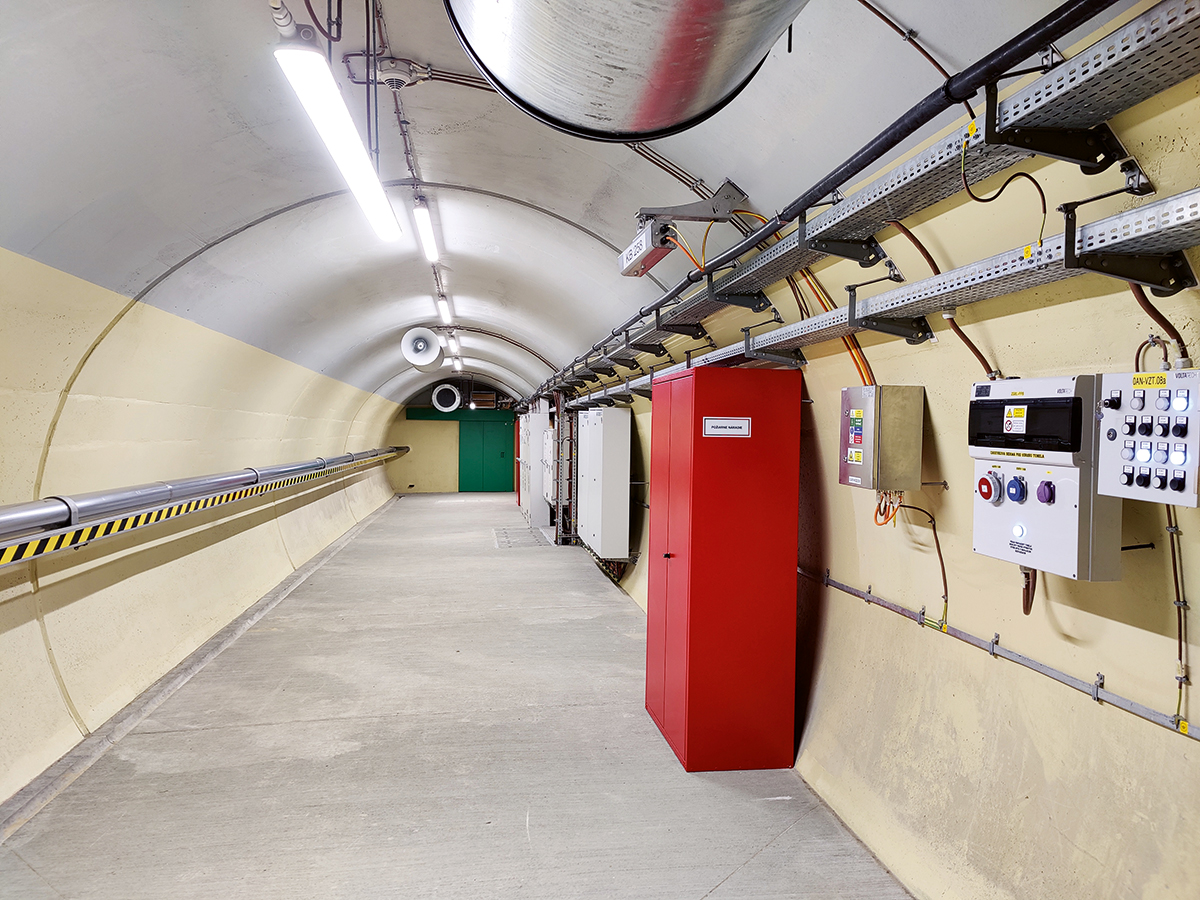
pixel 549 468
pixel 1035 498
pixel 1150 436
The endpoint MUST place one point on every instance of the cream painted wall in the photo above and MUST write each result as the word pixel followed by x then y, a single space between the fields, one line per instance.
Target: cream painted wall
pixel 146 395
pixel 431 465
pixel 968 776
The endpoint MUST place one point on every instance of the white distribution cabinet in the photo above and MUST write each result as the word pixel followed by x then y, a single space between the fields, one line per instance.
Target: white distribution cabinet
pixel 1035 478
pixel 602 503
pixel 533 427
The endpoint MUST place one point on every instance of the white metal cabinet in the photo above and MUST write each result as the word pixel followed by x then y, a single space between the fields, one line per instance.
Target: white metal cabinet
pixel 532 428
pixel 602 515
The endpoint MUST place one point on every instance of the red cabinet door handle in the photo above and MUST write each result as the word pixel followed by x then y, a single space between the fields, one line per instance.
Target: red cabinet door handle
pixel 667 555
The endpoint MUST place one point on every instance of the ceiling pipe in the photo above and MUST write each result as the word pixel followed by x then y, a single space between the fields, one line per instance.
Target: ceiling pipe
pixel 618 71
pixel 955 90
pixel 450 329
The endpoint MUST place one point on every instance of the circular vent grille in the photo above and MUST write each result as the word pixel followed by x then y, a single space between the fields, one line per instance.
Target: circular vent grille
pixel 446 398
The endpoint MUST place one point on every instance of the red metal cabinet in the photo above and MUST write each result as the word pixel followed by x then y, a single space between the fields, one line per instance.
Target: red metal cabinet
pixel 724 505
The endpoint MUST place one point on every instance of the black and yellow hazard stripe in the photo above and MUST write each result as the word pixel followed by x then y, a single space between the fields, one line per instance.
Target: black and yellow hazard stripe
pixel 33 547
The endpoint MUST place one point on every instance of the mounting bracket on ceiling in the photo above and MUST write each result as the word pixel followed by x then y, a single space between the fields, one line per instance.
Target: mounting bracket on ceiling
pixel 718 208
pixel 648 347
pixel 915 330
pixel 691 329
pixel 1164 273
pixel 755 302
pixel 1092 149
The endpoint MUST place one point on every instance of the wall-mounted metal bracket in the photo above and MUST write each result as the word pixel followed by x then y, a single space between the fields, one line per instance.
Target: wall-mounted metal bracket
pixel 606 401
pixel 643 391
pixel 793 359
pixel 718 208
pixel 691 329
pixel 1164 273
pixel 755 302
pixel 649 347
pixel 1097 685
pixel 915 330
pixel 603 368
pixel 866 253
pixel 1092 149
pixel 588 375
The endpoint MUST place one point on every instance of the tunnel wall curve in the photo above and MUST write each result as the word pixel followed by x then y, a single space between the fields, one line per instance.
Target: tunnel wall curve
pixel 101 392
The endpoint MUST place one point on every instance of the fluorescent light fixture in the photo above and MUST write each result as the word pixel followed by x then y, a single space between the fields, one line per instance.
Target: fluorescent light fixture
pixel 453 342
pixel 457 364
pixel 425 229
pixel 311 79
pixel 443 306
pixel 442 341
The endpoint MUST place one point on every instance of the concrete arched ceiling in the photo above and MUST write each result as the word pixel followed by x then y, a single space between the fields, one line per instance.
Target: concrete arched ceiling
pixel 139 134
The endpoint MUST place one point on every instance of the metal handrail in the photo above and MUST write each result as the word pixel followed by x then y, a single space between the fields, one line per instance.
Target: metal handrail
pixel 19 519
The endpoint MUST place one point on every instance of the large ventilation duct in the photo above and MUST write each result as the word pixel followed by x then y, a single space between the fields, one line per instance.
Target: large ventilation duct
pixel 614 70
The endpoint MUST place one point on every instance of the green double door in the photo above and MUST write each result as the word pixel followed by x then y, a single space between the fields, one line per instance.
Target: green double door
pixel 485 456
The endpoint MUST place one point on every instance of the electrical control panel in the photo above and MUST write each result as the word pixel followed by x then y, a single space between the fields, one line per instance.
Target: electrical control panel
pixel 1033 441
pixel 531 428
pixel 549 465
pixel 882 425
pixel 1150 436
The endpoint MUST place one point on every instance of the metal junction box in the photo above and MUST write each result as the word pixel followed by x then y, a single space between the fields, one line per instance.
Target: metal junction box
pixel 1150 436
pixel 1035 502
pixel 881 437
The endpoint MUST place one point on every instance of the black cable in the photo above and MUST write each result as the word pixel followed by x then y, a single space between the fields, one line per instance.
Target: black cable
pixel 1008 181
pixel 937 546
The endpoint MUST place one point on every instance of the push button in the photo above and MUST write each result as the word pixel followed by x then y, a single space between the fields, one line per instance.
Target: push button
pixel 1178 480
pixel 1181 399
pixel 1180 429
pixel 1127 476
pixel 1143 478
pixel 1138 401
pixel 1143 451
pixel 1145 426
pixel 1160 453
pixel 1130 425
pixel 1163 426
pixel 1164 399
pixel 1160 479
pixel 1179 454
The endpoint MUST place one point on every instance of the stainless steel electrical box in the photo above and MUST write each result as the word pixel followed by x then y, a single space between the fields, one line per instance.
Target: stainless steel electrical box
pixel 881 437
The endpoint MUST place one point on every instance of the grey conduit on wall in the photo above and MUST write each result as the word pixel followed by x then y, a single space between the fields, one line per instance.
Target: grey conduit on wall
pixel 22 519
pixel 1095 689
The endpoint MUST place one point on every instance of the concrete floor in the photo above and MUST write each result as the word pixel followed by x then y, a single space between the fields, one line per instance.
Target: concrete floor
pixel 431 715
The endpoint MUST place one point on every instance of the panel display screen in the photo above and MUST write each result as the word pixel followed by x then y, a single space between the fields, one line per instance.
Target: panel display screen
pixel 1021 423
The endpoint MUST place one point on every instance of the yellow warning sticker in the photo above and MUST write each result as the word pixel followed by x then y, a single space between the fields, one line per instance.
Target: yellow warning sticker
pixel 1183 726
pixel 1028 251
pixel 854 457
pixel 1150 380
pixel 971 129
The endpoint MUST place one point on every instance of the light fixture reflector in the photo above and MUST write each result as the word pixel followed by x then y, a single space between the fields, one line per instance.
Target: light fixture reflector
pixel 457 364
pixel 311 79
pixel 443 306
pixel 453 341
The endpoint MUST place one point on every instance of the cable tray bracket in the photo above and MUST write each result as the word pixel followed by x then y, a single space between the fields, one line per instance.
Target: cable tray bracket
pixel 1164 273
pixel 690 329
pixel 755 302
pixel 866 253
pixel 1093 149
pixel 915 331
